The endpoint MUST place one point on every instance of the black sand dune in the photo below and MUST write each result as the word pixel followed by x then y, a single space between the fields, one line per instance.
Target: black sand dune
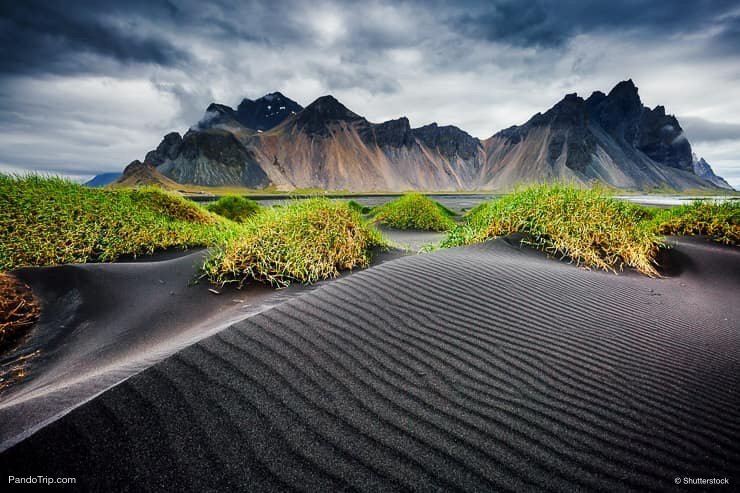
pixel 412 240
pixel 101 323
pixel 487 368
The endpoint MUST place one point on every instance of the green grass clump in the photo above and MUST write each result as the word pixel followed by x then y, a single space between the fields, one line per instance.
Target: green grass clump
pixel 49 221
pixel 587 225
pixel 356 206
pixel 234 207
pixel 719 221
pixel 415 211
pixel 169 204
pixel 305 241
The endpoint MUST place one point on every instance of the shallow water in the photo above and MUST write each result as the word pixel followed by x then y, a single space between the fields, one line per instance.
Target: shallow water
pixel 464 202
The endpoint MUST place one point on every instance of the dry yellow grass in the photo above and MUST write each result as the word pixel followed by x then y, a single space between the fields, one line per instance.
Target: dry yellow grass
pixel 19 309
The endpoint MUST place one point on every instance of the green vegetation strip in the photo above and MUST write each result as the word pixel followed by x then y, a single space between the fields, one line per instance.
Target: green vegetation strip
pixel 305 241
pixel 721 222
pixel 415 211
pixel 49 221
pixel 591 227
pixel 234 207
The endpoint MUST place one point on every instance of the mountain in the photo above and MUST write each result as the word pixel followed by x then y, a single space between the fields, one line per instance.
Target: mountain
pixel 272 141
pixel 258 115
pixel 328 146
pixel 266 112
pixel 103 179
pixel 138 174
pixel 702 168
pixel 608 138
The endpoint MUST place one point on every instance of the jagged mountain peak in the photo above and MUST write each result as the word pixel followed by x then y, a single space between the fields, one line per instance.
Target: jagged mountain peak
pixel 606 137
pixel 624 97
pixel 448 139
pixel 323 112
pixel 330 108
pixel 219 108
pixel 703 169
pixel 624 88
pixel 266 112
pixel 138 173
pixel 261 114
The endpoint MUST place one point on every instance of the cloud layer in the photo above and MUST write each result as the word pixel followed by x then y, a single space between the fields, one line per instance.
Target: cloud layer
pixel 88 86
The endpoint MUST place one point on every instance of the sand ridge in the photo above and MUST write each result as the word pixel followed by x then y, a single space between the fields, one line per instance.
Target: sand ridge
pixel 479 368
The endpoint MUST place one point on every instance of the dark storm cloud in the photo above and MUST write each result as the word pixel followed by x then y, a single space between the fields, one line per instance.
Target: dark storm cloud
pixel 349 77
pixel 549 23
pixel 701 130
pixel 728 39
pixel 93 84
pixel 69 37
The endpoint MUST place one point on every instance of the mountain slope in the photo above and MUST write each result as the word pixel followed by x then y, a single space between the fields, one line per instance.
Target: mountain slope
pixel 266 112
pixel 702 168
pixel 137 174
pixel 103 179
pixel 610 138
pixel 328 146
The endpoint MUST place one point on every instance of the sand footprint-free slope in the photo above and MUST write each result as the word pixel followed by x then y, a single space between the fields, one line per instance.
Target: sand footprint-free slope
pixel 482 368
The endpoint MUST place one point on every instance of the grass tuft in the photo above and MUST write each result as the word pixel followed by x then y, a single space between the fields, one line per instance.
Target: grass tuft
pixel 415 211
pixel 169 204
pixel 719 221
pixel 234 207
pixel 304 241
pixel 50 221
pixel 587 225
pixel 356 206
pixel 19 310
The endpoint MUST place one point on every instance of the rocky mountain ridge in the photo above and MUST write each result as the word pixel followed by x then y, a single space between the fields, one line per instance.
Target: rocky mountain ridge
pixel 611 138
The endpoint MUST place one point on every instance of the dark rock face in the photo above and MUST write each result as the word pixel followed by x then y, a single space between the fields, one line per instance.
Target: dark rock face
pixel 449 140
pixel 266 112
pixel 261 114
pixel 167 149
pixel 215 115
pixel 618 113
pixel 135 166
pixel 622 116
pixel 607 137
pixel 656 134
pixel 394 133
pixel 318 116
pixel 216 145
pixel 567 122
pixel 214 157
pixel 661 138
pixel 703 169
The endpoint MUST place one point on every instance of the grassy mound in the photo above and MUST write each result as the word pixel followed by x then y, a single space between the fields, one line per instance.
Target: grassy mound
pixel 356 206
pixel 169 204
pixel 721 222
pixel 304 241
pixel 19 309
pixel 415 211
pixel 588 226
pixel 234 207
pixel 48 221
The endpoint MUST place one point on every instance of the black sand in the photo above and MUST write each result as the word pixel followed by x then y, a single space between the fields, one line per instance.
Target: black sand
pixel 487 368
pixel 102 323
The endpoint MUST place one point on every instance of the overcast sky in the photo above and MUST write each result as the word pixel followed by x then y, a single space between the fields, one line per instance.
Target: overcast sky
pixel 88 86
